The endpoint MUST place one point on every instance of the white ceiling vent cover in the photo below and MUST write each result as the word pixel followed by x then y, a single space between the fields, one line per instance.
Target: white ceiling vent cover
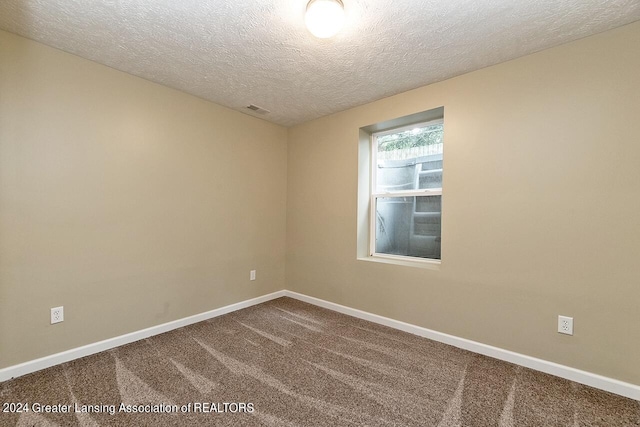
pixel 257 109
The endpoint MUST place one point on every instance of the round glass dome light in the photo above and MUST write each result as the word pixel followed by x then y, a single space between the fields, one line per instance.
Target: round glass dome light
pixel 324 18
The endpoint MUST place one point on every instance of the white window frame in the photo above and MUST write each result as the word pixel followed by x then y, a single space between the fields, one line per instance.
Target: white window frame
pixel 388 194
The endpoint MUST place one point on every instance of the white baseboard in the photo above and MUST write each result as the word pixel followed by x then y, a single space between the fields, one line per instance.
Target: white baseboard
pixel 594 380
pixel 86 350
pixel 621 388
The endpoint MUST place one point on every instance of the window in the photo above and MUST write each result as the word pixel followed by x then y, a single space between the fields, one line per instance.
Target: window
pixel 406 191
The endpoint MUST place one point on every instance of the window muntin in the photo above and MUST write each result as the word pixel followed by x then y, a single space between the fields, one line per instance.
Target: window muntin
pixel 406 201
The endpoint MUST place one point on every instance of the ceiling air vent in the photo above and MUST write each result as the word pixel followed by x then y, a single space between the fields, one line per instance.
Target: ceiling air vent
pixel 257 109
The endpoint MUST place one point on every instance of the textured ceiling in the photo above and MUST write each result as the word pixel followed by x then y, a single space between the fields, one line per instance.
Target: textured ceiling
pixel 242 52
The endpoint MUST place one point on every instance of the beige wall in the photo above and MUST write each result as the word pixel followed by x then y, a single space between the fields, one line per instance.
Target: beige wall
pixel 129 203
pixel 541 207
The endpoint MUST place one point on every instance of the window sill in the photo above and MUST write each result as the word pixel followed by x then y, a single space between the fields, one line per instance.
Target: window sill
pixel 429 264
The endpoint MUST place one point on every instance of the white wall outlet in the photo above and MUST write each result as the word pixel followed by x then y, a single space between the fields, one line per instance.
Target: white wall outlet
pixel 252 275
pixel 565 325
pixel 57 315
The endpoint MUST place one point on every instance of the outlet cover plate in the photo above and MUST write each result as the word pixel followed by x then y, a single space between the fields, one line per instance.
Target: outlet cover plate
pixel 565 325
pixel 57 315
pixel 252 275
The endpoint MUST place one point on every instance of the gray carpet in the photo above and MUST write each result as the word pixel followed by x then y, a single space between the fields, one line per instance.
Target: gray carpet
pixel 287 363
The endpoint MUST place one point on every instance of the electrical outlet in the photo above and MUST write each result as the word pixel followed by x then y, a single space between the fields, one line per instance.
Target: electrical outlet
pixel 57 315
pixel 252 275
pixel 565 325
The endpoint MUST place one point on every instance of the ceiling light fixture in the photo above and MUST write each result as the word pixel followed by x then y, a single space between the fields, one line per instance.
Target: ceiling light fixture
pixel 324 18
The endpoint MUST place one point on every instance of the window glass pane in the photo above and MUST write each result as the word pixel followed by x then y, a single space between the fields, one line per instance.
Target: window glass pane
pixel 409 226
pixel 410 160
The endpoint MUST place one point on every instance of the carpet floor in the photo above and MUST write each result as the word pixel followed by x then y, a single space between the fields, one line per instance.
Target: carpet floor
pixel 287 363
